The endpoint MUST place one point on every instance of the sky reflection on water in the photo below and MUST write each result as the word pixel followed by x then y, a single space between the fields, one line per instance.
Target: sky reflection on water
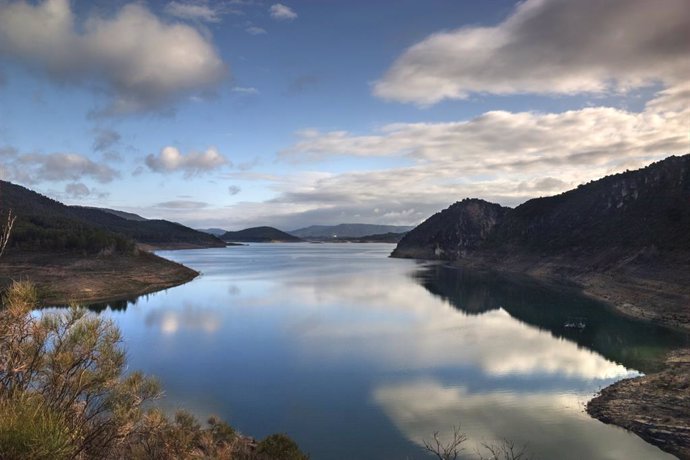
pixel 357 355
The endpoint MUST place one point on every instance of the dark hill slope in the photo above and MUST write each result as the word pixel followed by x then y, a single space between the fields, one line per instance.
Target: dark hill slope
pixel 636 209
pixel 624 239
pixel 260 235
pixel 643 209
pixel 46 224
pixel 449 234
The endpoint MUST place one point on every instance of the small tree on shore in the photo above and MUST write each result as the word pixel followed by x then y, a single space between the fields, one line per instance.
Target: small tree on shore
pixel 6 231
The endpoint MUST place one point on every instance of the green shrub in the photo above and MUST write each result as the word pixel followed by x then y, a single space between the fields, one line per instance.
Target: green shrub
pixel 280 446
pixel 30 430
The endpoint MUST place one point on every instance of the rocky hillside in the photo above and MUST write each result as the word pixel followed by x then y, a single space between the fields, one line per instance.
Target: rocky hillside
pixel 451 233
pixel 646 209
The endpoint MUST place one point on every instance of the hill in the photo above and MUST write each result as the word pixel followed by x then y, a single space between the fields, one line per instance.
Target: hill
pixel 324 232
pixel 46 224
pixel 380 238
pixel 259 235
pixel 624 238
pixel 123 214
pixel 212 231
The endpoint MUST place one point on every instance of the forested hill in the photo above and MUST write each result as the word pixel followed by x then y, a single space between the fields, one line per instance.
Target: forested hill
pixel 46 224
pixel 259 235
pixel 644 209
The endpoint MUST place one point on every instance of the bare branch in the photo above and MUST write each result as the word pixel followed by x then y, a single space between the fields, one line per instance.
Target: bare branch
pixel 6 231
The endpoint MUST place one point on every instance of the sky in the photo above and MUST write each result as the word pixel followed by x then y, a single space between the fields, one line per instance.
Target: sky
pixel 241 113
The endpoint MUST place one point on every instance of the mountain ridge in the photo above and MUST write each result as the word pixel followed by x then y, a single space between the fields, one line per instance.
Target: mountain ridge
pixel 355 230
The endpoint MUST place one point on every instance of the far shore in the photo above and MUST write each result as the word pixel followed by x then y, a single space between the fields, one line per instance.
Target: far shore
pixel 67 278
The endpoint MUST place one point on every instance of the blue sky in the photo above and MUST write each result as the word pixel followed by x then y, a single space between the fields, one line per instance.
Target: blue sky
pixel 239 113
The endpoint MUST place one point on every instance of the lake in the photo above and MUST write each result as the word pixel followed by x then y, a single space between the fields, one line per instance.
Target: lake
pixel 359 356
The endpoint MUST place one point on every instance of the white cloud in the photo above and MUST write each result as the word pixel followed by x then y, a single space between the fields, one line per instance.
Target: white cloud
pixel 281 12
pixel 34 168
pixel 255 30
pixel 245 90
pixel 549 47
pixel 197 11
pixel 170 159
pixel 142 62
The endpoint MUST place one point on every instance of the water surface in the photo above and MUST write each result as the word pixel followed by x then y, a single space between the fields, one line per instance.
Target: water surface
pixel 358 356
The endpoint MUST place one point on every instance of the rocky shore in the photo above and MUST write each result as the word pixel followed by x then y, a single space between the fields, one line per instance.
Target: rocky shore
pixel 656 407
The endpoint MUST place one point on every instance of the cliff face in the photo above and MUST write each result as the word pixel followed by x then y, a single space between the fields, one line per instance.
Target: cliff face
pixel 647 209
pixel 453 232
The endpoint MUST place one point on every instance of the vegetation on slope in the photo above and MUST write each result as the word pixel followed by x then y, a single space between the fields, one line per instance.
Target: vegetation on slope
pixel 648 208
pixel 44 224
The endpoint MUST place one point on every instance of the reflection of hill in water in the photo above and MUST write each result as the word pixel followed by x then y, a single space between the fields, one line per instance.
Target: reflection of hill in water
pixel 633 343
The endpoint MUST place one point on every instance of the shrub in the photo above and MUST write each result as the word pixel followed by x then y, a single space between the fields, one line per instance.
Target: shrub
pixel 64 394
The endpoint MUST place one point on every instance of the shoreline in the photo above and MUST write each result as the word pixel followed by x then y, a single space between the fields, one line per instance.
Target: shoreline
pixel 656 406
pixel 64 278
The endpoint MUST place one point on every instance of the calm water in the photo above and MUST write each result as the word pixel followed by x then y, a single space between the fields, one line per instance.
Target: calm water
pixel 358 356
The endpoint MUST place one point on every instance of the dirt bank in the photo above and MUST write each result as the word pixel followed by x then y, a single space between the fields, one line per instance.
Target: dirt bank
pixel 656 407
pixel 63 278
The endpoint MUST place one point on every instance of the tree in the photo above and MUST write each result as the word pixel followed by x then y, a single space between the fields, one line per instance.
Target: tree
pixel 6 231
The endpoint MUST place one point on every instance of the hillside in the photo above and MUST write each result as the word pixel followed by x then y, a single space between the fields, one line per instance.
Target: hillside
pixel 639 209
pixel 324 232
pixel 624 238
pixel 123 214
pixel 259 235
pixel 46 224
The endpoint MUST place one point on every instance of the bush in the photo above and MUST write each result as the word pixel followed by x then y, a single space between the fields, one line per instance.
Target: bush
pixel 280 446
pixel 28 429
pixel 64 394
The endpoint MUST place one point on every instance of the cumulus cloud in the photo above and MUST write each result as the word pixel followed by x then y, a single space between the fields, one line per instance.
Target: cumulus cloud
pixel 549 47
pixel 282 12
pixel 142 62
pixel 234 190
pixel 170 159
pixel 33 168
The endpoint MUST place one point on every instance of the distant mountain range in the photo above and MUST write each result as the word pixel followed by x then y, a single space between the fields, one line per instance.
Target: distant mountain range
pixel 323 232
pixel 259 235
pixel 212 231
pixel 648 208
pixel 45 224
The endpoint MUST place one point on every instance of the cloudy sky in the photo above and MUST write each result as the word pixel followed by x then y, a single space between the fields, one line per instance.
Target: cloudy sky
pixel 249 112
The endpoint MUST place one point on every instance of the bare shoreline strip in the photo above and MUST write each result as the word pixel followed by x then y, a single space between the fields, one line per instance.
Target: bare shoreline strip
pixel 64 278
